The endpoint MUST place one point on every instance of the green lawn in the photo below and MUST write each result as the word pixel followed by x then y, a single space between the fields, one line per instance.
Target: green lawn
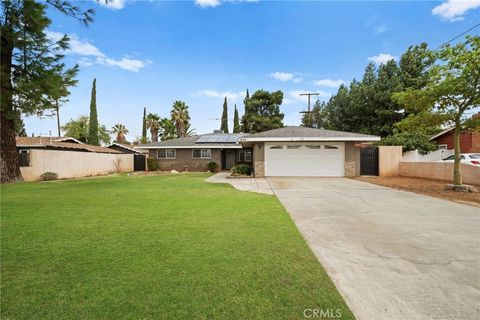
pixel 154 247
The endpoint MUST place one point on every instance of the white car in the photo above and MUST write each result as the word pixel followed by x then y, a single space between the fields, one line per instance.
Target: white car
pixel 466 158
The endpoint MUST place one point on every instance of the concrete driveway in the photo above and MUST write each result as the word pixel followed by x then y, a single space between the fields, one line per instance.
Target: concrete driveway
pixel 392 254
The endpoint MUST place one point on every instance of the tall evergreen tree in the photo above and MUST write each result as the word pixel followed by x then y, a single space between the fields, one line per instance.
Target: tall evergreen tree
pixel 245 125
pixel 224 120
pixel 29 61
pixel 236 121
pixel 264 111
pixel 144 126
pixel 93 124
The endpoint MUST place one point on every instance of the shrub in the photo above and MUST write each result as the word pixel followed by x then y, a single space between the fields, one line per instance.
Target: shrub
pixel 242 169
pixel 212 166
pixel 152 164
pixel 49 176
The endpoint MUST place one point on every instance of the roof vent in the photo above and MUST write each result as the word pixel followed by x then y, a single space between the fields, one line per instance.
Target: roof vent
pixel 217 131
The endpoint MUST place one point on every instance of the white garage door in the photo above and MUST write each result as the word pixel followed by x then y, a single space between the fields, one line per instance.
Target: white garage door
pixel 297 159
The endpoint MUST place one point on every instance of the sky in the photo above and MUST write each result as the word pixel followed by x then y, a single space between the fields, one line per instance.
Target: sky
pixel 151 53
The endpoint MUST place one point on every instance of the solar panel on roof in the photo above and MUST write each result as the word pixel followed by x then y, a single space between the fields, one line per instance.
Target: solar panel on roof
pixel 232 139
pixel 222 139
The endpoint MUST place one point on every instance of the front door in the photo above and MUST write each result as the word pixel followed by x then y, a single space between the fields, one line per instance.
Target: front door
pixel 229 159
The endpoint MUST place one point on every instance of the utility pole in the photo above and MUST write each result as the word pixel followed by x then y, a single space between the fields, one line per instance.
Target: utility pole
pixel 308 112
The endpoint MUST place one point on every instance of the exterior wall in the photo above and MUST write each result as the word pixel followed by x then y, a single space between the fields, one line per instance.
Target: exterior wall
pixel 184 159
pixel 469 141
pixel 389 158
pixel 74 164
pixel 259 159
pixel 352 160
pixel 440 171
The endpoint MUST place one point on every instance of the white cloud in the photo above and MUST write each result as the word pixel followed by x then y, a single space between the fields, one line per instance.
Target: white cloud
pixel 328 83
pixel 86 49
pixel 113 4
pixel 382 58
pixel 207 3
pixel 381 28
pixel 453 10
pixel 286 76
pixel 282 76
pixel 124 63
pixel 216 3
pixel 234 96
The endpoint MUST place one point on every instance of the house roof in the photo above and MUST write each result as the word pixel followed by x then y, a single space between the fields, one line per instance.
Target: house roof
pixel 57 143
pixel 293 133
pixel 210 140
pixel 441 133
pixel 126 146
pixel 43 140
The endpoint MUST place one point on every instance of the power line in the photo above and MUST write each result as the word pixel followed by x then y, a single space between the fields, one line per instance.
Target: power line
pixel 461 34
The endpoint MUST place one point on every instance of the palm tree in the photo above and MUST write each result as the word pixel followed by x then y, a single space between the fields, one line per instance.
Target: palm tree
pixel 189 131
pixel 180 117
pixel 154 123
pixel 168 129
pixel 120 130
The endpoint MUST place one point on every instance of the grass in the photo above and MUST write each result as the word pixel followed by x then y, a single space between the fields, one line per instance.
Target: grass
pixel 154 247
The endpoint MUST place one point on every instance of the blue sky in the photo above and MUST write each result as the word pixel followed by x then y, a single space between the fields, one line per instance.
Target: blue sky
pixel 151 53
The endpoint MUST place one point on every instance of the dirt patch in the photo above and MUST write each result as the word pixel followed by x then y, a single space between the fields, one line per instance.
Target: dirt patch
pixel 429 187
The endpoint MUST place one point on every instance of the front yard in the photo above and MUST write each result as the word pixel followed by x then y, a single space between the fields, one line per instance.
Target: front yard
pixel 154 247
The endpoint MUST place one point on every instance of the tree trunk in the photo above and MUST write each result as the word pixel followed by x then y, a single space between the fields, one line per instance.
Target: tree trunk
pixel 457 174
pixel 9 164
pixel 58 119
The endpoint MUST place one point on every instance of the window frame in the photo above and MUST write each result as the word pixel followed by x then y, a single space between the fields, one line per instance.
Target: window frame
pixel 166 157
pixel 202 154
pixel 244 152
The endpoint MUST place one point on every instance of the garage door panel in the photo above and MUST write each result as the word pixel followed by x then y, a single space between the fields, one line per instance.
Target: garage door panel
pixel 309 159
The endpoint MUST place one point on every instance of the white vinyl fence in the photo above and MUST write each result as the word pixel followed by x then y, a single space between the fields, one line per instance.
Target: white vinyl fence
pixel 415 156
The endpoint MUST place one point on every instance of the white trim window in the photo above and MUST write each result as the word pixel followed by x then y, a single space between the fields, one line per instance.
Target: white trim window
pixel 201 154
pixel 442 147
pixel 166 153
pixel 245 155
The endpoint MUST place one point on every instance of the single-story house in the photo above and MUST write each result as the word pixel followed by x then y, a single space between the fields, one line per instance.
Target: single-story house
pixel 469 140
pixel 288 151
pixel 195 152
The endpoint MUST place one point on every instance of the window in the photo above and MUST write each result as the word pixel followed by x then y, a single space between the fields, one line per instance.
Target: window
pixel 293 146
pixel 313 146
pixel 442 147
pixel 201 154
pixel 24 158
pixel 327 146
pixel 278 146
pixel 167 154
pixel 245 155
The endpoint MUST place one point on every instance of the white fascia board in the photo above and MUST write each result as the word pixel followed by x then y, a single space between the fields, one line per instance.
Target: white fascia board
pixel 287 139
pixel 191 147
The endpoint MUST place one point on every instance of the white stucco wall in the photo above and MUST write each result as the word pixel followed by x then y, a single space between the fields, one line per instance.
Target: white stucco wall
pixel 73 164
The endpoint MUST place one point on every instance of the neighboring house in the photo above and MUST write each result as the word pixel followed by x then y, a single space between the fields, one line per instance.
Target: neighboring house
pixel 68 157
pixel 288 151
pixel 469 141
pixel 195 152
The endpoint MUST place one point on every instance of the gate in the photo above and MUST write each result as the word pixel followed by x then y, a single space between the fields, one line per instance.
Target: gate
pixel 138 162
pixel 369 161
